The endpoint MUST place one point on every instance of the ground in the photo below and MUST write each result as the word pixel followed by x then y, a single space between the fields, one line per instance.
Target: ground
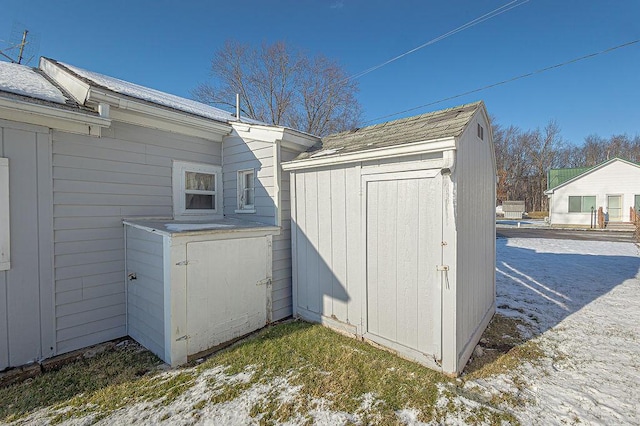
pixel 564 349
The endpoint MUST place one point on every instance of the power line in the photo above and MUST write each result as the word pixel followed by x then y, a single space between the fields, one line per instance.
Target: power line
pixel 529 74
pixel 502 9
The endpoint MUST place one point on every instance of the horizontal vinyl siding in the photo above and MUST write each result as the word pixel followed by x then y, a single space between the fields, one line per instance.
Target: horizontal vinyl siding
pixel 97 182
pixel 281 290
pixel 242 154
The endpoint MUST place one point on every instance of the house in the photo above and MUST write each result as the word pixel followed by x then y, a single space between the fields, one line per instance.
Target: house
pixel 80 152
pixel 575 194
pixel 394 234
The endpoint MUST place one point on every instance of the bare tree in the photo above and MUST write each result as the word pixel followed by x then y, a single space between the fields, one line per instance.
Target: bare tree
pixel 281 85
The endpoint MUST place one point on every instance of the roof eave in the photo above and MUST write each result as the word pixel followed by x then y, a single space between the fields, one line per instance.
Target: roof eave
pixel 422 147
pixel 146 114
pixel 55 118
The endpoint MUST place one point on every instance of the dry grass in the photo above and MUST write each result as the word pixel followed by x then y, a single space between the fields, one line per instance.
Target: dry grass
pixel 323 364
pixel 537 215
pixel 504 349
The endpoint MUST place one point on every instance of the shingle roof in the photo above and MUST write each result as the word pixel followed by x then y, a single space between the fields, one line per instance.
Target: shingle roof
pixel 445 123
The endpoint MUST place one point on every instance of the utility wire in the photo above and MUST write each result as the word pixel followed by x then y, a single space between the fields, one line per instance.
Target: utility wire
pixel 529 74
pixel 502 9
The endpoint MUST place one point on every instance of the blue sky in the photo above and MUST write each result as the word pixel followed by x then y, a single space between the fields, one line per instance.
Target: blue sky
pixel 167 45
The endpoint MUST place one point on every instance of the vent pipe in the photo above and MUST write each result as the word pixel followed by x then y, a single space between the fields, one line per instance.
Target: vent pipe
pixel 238 106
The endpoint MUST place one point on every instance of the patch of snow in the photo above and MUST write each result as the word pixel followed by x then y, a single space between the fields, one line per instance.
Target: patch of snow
pixel 325 152
pixel 154 96
pixel 181 227
pixel 23 80
pixel 583 300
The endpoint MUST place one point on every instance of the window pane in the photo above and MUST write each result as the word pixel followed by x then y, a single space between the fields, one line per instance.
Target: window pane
pixel 200 201
pixel 588 203
pixel 637 203
pixel 248 197
pixel 248 180
pixel 200 181
pixel 575 204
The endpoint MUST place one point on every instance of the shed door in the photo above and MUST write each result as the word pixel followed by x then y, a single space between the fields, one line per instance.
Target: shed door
pixel 403 242
pixel 226 290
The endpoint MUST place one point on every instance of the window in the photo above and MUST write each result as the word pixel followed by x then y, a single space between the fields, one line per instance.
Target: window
pixel 4 215
pixel 246 191
pixel 636 204
pixel 582 204
pixel 195 190
pixel 480 132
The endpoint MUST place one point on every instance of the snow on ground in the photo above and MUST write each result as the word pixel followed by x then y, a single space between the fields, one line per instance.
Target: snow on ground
pixel 584 299
pixel 23 80
pixel 581 301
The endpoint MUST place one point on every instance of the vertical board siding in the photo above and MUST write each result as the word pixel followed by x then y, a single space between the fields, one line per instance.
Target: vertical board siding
pixel 26 320
pixel 328 246
pixel 475 193
pixel 97 182
pixel 145 294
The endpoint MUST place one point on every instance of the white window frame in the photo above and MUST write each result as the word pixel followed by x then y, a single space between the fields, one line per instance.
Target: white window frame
pixel 5 224
pixel 242 207
pixel 179 191
pixel 582 203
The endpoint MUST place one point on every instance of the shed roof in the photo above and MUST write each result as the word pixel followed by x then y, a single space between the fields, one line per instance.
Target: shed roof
pixel 445 123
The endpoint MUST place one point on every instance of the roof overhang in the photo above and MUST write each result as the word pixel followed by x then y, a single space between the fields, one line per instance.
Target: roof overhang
pixel 133 111
pixel 423 147
pixel 148 115
pixel 52 117
pixel 288 138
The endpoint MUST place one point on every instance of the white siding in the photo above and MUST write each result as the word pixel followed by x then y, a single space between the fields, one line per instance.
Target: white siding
pixel 475 179
pixel 97 182
pixel 616 178
pixel 26 307
pixel 145 294
pixel 242 154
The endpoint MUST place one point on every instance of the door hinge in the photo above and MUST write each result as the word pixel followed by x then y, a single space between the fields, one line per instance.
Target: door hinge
pixel 266 281
pixel 185 337
pixel 442 268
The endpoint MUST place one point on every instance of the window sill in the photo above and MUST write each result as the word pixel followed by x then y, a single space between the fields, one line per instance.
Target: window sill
pixel 245 211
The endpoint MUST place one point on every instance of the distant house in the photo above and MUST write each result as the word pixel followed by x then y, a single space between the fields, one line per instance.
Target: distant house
pixel 574 194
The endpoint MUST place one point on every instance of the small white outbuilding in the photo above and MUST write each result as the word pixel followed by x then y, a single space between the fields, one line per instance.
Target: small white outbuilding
pixel 393 234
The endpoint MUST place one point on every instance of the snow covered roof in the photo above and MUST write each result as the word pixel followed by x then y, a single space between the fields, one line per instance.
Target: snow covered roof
pixel 147 94
pixel 23 80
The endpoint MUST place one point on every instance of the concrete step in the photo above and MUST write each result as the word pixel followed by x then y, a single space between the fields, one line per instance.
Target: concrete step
pixel 621 226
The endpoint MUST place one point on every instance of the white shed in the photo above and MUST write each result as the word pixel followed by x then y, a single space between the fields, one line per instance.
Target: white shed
pixel 193 286
pixel 393 234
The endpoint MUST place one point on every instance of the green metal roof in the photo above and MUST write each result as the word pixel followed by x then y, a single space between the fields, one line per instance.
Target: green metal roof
pixel 557 177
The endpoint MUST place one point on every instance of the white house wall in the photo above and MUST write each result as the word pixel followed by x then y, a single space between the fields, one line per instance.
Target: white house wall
pixel 97 182
pixel 242 154
pixel 26 299
pixel 617 178
pixel 474 275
